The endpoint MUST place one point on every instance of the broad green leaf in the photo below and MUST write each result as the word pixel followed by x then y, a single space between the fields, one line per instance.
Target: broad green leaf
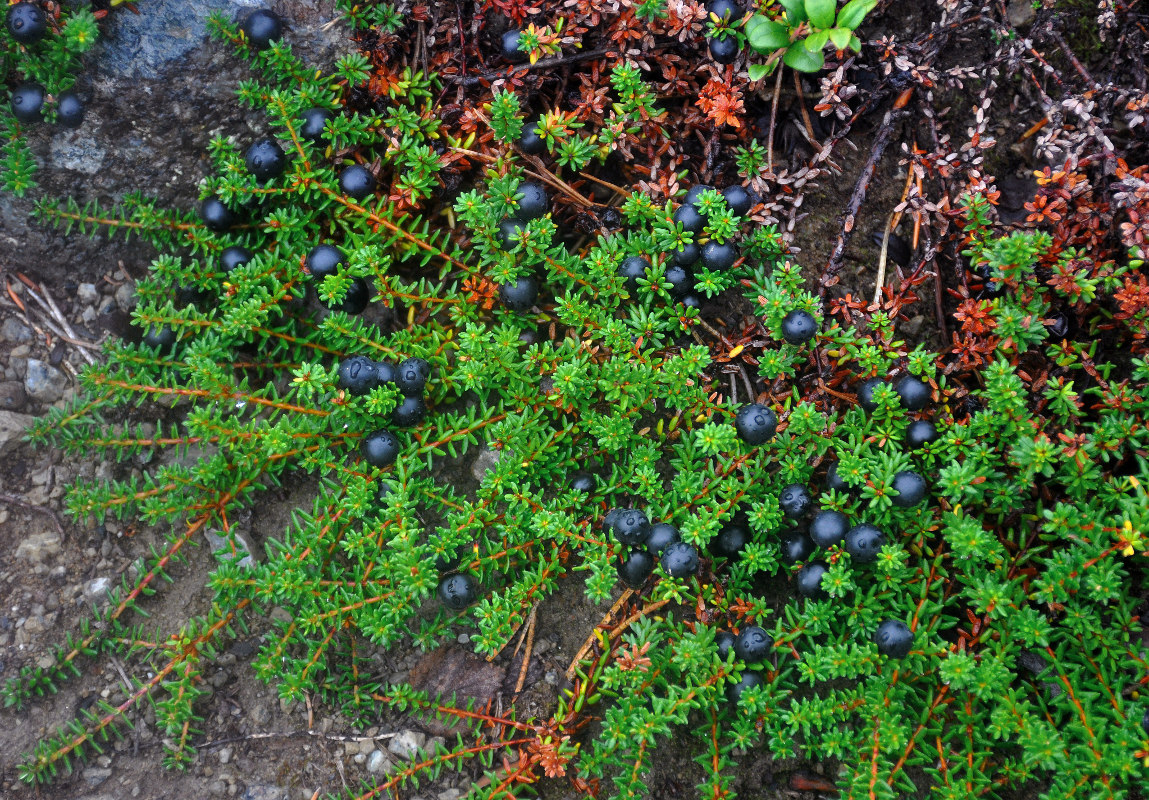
pixel 768 35
pixel 855 43
pixel 799 58
pixel 795 11
pixel 759 71
pixel 841 37
pixel 821 12
pixel 816 41
pixel 854 12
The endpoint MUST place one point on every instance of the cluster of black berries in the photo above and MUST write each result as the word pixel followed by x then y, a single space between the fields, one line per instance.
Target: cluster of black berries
pixel 326 259
pixel 724 49
pixel 27 23
pixel 533 203
pixel 914 395
pixel 647 542
pixel 358 375
pixel 752 645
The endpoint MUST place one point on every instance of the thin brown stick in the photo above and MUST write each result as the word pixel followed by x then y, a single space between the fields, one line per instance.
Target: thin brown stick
pixel 546 63
pixel 802 106
pixel 331 737
pixel 773 119
pixel 527 653
pixel 589 643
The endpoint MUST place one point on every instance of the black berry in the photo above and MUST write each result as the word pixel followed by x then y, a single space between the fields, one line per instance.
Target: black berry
pixel 829 528
pixel 69 109
pixel 215 215
pixel 160 338
pixel 796 547
pixel 380 449
pixel 756 424
pixel 809 580
pixel 632 269
pixel 753 644
pixel 357 375
pixel 694 194
pixel 687 255
pixel 356 182
pixel 314 122
pixel 510 46
pixel 730 541
pixel 679 280
pixel 262 27
pixel 520 295
pixel 795 500
pixel 894 638
pixel 533 202
pixel 691 301
pixel 920 432
pixel 680 560
pixel 734 690
pixel 411 411
pixel 662 535
pixel 719 257
pixel 27 22
pixel 458 591
pixel 233 258
pixel 324 260
pixel 723 643
pixel 265 159
pixel 690 219
pixel 738 199
pixel 799 327
pixel 385 372
pixel 356 299
pixel 509 230
pixel 866 394
pixel 723 9
pixel 530 142
pixel 910 487
pixel 835 481
pixel 582 481
pixel 914 393
pixel 631 527
pixel 412 376
pixel 28 102
pixel 636 568
pixel 724 50
pixel 863 542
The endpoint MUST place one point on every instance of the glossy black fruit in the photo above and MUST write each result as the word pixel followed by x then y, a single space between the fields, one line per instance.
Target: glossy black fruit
pixel 753 644
pixel 314 123
pixel 863 542
pixel 412 376
pixel 796 547
pixel 26 22
pixel 69 109
pixel 662 535
pixel 920 432
pixel 533 202
pixel 265 159
pixel 356 299
pixel 730 541
pixel 690 219
pixel 28 102
pixel 582 481
pixel 719 257
pixel 914 393
pixel 632 269
pixel 679 279
pixel 724 50
pixel 530 142
pixel 680 560
pixel 357 375
pixel 799 327
pixel 756 424
pixel 829 528
pixel 215 215
pixel 687 256
pixel 323 260
pixel 835 481
pixel 510 46
pixel 723 9
pixel 691 301
pixel 694 194
pixel 458 591
pixel 631 527
pixel 738 199
pixel 520 295
pixel 734 690
pixel 723 642
pixel 809 580
pixel 910 487
pixel 636 568
pixel 894 638
pixel 262 27
pixel 385 372
pixel 380 449
pixel 411 411
pixel 866 394
pixel 795 500
pixel 233 257
pixel 356 182
pixel 161 338
pixel 509 230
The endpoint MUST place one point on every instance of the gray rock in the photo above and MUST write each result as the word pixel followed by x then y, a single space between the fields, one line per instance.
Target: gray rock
pixel 407 744
pixel 12 427
pixel 39 547
pixel 265 791
pixel 77 151
pixel 486 461
pixel 44 382
pixel 15 331
pixel 86 293
pixel 222 545
pixel 96 775
pixel 96 588
pixel 450 794
pixel 378 762
pixel 12 396
pixel 126 296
